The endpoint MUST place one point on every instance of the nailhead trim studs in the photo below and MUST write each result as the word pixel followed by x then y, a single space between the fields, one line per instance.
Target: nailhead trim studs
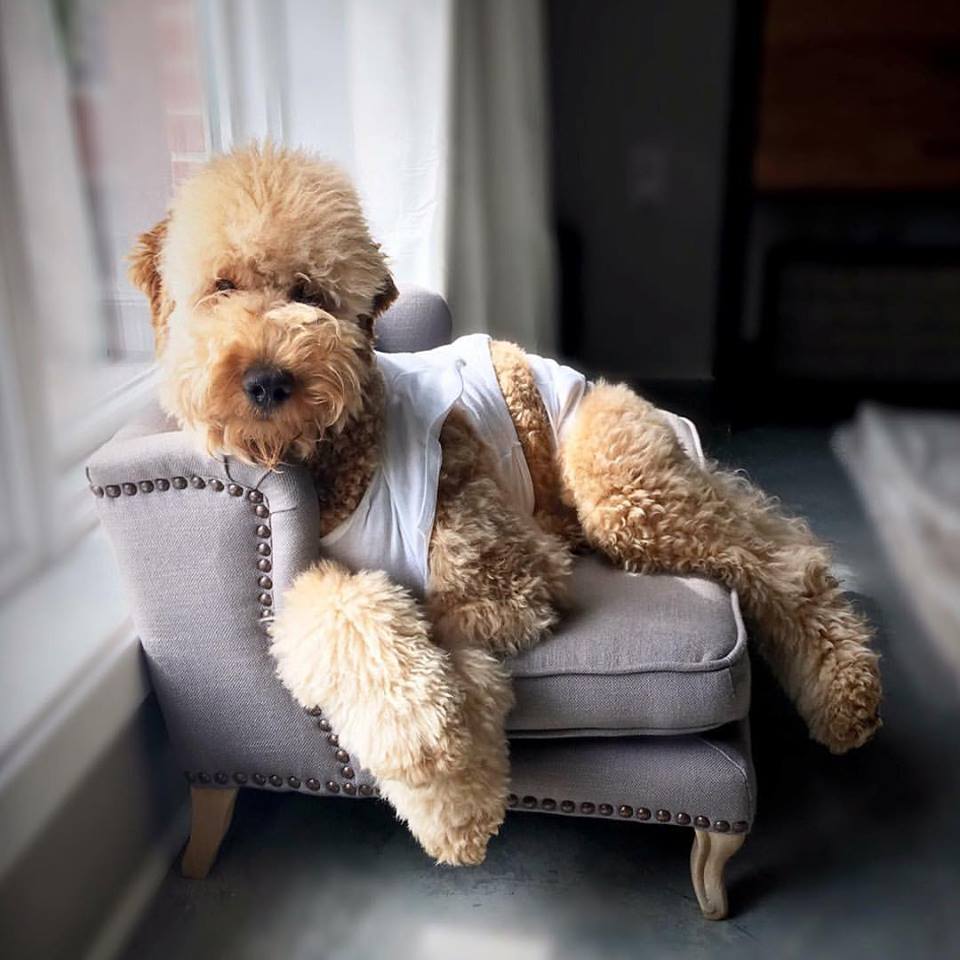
pixel 293 782
pixel 627 812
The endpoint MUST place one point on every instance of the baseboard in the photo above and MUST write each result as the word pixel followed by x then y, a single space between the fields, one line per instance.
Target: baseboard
pixel 137 896
pixel 89 855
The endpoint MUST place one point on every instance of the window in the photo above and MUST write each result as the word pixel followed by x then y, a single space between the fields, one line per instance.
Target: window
pixel 104 110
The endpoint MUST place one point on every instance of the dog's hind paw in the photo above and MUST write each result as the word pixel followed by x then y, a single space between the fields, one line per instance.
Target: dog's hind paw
pixel 851 714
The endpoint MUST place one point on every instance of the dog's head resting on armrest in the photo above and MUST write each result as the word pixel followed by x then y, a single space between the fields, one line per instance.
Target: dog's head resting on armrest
pixel 264 283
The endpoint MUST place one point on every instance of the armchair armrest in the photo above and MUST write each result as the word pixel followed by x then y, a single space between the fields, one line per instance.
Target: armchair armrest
pixel 205 548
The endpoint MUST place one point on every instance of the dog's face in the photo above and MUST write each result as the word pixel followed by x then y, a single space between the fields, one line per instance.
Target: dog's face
pixel 263 284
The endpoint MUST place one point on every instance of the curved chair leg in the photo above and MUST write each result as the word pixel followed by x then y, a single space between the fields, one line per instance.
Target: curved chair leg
pixel 210 814
pixel 708 858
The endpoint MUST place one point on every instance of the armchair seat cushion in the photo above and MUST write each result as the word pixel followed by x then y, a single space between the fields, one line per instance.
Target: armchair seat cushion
pixel 635 655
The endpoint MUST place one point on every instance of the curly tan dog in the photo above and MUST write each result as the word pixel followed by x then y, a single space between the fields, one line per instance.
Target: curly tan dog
pixel 264 286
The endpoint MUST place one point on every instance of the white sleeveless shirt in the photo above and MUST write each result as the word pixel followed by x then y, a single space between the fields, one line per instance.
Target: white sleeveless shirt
pixel 390 529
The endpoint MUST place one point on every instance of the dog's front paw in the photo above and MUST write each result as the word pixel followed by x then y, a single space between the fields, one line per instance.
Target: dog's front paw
pixel 454 816
pixel 466 849
pixel 458 837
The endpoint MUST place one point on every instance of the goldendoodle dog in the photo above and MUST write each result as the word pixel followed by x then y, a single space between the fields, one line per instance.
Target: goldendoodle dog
pixel 453 487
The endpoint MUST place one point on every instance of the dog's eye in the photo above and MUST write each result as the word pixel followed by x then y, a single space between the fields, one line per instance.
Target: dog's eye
pixel 302 292
pixel 223 284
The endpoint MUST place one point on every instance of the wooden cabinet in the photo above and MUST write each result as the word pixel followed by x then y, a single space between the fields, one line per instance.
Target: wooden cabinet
pixel 859 95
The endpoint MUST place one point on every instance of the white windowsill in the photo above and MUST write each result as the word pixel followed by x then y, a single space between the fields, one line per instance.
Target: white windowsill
pixel 71 676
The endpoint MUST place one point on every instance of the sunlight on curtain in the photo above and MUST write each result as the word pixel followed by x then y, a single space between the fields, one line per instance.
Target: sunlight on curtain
pixel 368 86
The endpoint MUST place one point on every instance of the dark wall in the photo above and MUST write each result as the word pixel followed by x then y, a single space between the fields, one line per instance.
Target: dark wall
pixel 640 108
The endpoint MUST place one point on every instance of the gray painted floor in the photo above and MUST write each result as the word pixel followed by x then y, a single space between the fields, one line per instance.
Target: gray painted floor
pixel 850 857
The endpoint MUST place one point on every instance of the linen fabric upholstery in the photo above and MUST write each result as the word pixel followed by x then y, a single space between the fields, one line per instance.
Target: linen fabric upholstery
pixel 419 320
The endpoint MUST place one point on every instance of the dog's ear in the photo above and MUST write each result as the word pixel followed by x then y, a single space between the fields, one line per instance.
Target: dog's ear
pixel 385 298
pixel 381 302
pixel 145 273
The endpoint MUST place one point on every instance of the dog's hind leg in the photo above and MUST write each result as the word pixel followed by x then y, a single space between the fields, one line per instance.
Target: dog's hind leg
pixel 649 507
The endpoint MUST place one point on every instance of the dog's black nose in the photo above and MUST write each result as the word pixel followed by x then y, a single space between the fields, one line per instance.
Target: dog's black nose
pixel 267 387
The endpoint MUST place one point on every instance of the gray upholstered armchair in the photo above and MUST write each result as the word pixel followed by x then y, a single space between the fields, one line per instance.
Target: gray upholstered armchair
pixel 635 709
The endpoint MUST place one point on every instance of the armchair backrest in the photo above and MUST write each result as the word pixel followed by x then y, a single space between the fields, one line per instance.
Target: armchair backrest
pixel 419 320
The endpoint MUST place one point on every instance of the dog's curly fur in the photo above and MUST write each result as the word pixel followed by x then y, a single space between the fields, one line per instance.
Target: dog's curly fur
pixel 265 257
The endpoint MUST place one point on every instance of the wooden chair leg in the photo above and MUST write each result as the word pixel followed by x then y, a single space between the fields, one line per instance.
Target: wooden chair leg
pixel 210 814
pixel 708 858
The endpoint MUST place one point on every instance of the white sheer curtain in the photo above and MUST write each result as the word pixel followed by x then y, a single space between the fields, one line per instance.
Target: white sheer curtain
pixel 501 266
pixel 368 85
pixel 437 109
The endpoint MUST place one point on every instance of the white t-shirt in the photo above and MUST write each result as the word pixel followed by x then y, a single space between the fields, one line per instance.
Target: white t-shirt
pixel 390 529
